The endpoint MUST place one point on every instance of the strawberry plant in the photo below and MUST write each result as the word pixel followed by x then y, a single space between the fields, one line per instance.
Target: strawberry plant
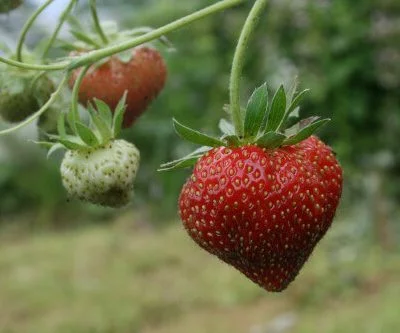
pixel 261 195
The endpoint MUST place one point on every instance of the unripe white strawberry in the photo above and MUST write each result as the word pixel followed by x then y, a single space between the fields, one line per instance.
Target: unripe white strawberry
pixel 101 175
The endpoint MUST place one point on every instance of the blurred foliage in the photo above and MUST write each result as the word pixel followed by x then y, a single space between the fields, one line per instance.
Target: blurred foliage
pixel 347 52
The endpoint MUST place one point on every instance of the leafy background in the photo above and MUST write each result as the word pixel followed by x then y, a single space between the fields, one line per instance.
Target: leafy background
pixel 68 267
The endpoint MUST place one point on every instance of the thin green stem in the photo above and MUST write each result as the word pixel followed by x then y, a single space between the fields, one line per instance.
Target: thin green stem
pixel 27 26
pixel 238 62
pixel 75 94
pixel 52 67
pixel 61 21
pixel 97 26
pixel 106 52
pixel 94 56
pixel 37 114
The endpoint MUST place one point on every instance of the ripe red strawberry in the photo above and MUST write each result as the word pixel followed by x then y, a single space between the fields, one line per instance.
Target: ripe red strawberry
pixel 143 76
pixel 261 200
pixel 262 211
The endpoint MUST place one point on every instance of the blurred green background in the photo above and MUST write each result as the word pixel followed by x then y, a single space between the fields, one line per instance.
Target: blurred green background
pixel 68 267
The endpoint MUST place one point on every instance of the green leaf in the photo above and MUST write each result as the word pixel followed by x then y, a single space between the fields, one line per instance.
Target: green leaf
pixel 296 101
pixel 271 140
pixel 100 125
pixel 305 132
pixel 292 90
pixel 86 134
pixel 119 115
pixel 184 162
pixel 104 111
pixel 195 136
pixel 175 165
pixel 72 145
pixel 255 111
pixel 277 111
pixel 226 127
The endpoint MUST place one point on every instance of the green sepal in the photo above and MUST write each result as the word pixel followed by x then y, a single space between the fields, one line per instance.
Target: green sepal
pixel 306 132
pixel 185 162
pixel 226 127
pixel 194 136
pixel 255 111
pixel 104 110
pixel 296 101
pixel 181 164
pixel 71 145
pixel 86 134
pixel 271 140
pixel 277 111
pixel 291 92
pixel 119 115
pixel 100 125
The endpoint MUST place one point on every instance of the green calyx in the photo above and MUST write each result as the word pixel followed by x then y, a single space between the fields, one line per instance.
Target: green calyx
pixel 267 123
pixel 73 134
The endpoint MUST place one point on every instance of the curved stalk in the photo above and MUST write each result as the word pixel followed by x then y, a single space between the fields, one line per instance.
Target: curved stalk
pixel 238 62
pixel 61 22
pixel 35 67
pixel 94 56
pixel 28 25
pixel 97 26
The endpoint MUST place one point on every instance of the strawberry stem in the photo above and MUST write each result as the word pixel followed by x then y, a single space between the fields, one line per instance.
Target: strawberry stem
pixel 61 21
pixel 57 66
pixel 97 26
pixel 27 26
pixel 94 56
pixel 238 63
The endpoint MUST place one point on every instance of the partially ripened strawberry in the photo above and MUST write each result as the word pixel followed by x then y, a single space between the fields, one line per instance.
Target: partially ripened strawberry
pixel 143 76
pixel 101 175
pixel 262 200
pixel 22 93
pixel 262 210
pixel 8 5
pixel 97 167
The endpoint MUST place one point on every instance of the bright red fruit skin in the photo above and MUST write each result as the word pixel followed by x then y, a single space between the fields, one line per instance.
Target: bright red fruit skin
pixel 143 77
pixel 262 211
